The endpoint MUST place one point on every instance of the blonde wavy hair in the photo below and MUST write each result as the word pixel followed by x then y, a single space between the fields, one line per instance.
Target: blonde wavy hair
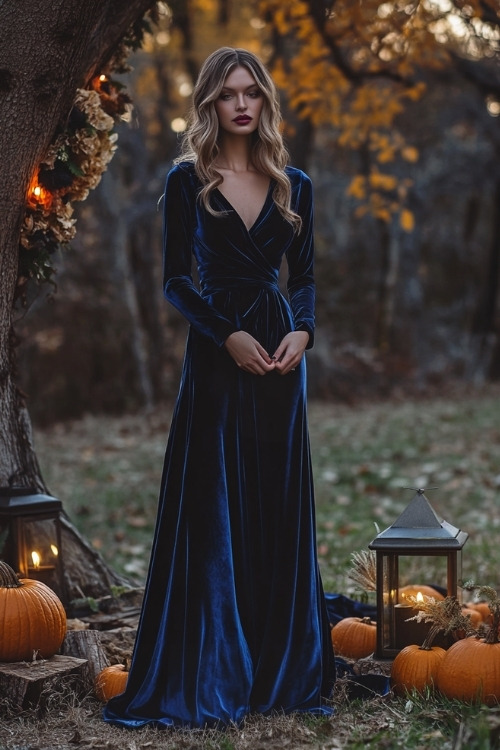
pixel 201 140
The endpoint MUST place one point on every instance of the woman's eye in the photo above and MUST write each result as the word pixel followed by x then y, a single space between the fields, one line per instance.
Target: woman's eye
pixel 225 97
pixel 254 94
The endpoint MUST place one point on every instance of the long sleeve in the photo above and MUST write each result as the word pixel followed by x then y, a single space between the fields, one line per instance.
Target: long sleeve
pixel 178 285
pixel 300 257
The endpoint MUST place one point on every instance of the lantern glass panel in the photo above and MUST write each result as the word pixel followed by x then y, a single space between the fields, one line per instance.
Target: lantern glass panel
pixel 423 569
pixel 7 545
pixel 41 549
pixel 387 570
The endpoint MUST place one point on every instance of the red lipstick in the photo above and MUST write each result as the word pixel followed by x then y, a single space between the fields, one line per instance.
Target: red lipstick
pixel 242 120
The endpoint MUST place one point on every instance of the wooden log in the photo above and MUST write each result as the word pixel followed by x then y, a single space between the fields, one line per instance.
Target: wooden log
pixel 23 683
pixel 86 644
pixel 128 617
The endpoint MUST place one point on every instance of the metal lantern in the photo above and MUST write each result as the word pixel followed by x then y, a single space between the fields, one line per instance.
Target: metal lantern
pixel 30 536
pixel 417 532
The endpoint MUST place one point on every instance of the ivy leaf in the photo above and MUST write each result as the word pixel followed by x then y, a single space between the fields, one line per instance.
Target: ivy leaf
pixel 75 169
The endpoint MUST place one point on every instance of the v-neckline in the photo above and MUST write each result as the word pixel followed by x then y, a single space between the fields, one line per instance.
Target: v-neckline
pixel 257 219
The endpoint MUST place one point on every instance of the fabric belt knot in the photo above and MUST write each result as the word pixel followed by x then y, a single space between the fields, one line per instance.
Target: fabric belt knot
pixel 234 284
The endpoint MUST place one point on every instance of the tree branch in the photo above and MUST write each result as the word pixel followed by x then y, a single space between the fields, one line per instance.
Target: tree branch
pixel 356 77
pixel 116 16
pixel 484 75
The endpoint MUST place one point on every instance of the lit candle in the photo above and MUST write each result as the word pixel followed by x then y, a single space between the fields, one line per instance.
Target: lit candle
pixel 40 195
pixel 36 559
pixel 412 632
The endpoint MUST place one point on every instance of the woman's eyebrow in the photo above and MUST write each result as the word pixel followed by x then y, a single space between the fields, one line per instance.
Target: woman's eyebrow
pixel 228 88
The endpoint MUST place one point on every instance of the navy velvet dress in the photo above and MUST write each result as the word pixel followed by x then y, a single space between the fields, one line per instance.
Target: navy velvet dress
pixel 234 619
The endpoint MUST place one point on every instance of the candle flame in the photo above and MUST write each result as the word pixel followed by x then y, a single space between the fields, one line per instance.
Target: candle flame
pixel 419 597
pixel 36 559
pixel 54 550
pixel 39 195
pixel 102 77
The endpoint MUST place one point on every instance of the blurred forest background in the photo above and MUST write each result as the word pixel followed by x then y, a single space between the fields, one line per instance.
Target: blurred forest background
pixel 394 110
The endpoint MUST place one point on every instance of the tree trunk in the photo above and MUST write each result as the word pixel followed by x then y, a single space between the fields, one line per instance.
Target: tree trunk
pixel 47 51
pixel 111 209
pixel 387 289
pixel 483 336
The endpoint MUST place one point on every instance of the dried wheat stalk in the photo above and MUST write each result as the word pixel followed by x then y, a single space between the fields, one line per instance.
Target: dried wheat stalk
pixel 364 569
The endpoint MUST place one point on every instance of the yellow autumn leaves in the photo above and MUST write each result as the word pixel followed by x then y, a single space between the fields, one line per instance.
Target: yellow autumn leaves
pixel 350 68
pixel 380 193
pixel 383 196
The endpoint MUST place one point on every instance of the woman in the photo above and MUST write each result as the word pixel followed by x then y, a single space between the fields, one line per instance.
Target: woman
pixel 233 620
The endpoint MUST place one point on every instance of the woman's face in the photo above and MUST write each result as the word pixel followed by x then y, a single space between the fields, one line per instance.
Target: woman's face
pixel 239 104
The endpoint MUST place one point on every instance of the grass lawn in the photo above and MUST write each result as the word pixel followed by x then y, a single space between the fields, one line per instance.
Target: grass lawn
pixel 107 472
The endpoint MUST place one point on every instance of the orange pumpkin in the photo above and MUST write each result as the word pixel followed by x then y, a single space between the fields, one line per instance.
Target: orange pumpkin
pixel 415 668
pixel 354 637
pixel 483 608
pixel 475 615
pixel 32 618
pixel 111 681
pixel 470 671
pixel 413 590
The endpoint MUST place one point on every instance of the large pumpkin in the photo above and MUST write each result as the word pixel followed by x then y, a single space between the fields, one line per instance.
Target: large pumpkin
pixel 354 637
pixel 32 618
pixel 470 671
pixel 111 681
pixel 416 668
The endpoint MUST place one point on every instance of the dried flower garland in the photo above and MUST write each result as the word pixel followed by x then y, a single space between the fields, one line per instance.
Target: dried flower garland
pixel 74 165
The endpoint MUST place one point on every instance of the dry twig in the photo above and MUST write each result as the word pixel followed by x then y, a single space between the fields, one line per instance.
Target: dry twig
pixel 445 616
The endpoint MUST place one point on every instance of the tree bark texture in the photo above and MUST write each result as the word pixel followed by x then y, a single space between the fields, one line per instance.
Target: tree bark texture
pixel 47 50
pixel 86 644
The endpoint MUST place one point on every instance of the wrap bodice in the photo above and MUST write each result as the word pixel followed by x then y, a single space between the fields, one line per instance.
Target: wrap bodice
pixel 238 268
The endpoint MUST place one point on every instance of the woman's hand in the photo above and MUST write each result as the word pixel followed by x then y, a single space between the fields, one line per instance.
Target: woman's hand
pixel 248 354
pixel 291 350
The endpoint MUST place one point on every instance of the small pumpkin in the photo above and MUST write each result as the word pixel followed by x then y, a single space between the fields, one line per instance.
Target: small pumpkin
pixel 416 668
pixel 483 608
pixel 470 671
pixel 32 618
pixel 413 590
pixel 111 681
pixel 474 614
pixel 354 637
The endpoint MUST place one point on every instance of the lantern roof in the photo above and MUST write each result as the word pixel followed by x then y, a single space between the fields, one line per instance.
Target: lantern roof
pixel 21 501
pixel 419 527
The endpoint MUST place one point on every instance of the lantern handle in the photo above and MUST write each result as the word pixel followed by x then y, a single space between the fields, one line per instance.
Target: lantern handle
pixel 421 490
